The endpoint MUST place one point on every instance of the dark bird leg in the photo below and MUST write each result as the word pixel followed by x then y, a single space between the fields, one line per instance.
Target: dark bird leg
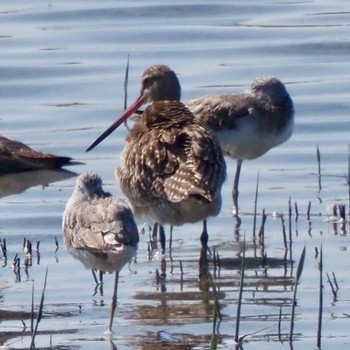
pixel 162 238
pixel 204 240
pixel 113 303
pixel 204 236
pixel 235 187
pixel 171 238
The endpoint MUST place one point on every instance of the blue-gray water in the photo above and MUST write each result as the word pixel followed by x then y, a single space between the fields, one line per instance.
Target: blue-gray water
pixel 62 68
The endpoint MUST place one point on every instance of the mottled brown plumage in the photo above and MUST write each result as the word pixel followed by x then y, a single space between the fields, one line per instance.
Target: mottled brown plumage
pixel 172 168
pixel 16 157
pixel 175 176
pixel 247 125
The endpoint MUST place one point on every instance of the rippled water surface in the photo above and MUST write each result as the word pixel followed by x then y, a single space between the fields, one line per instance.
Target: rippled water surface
pixel 62 68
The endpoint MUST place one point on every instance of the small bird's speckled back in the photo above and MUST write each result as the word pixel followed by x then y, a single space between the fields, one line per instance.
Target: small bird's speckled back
pixel 97 221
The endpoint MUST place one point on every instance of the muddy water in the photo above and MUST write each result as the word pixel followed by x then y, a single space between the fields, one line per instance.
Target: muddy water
pixel 61 83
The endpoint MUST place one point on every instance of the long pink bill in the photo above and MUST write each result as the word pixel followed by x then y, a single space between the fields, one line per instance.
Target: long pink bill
pixel 132 109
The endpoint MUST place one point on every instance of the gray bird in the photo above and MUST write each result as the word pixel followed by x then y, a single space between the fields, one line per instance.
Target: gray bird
pixel 99 229
pixel 249 124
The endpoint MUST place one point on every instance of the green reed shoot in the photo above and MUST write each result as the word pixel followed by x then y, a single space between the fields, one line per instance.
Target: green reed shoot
pixel 255 204
pixel 240 295
pixel 297 278
pixel 348 178
pixel 40 312
pixel 290 220
pixel 320 308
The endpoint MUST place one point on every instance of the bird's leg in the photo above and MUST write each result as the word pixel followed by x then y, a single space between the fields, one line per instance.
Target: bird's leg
pixel 153 242
pixel 113 303
pixel 204 236
pixel 203 277
pixel 96 282
pixel 94 276
pixel 155 231
pixel 101 276
pixel 204 240
pixel 235 187
pixel 162 238
pixel 170 238
pixel 101 283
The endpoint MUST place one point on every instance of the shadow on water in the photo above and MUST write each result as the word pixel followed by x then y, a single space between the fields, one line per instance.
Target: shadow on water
pixel 185 298
pixel 11 184
pixel 24 318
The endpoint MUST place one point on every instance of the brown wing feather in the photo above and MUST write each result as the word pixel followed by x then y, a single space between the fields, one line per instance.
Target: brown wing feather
pixel 15 156
pixel 178 157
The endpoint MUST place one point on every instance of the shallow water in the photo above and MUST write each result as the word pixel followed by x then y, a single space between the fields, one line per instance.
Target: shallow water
pixel 62 68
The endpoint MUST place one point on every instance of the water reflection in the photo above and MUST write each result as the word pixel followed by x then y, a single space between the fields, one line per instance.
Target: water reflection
pixel 103 261
pixel 185 298
pixel 11 184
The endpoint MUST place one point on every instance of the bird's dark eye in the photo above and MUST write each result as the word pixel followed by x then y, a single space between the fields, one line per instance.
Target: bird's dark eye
pixel 146 81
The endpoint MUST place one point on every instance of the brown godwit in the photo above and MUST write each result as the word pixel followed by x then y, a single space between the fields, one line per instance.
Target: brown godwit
pixel 249 124
pixel 172 168
pixel 17 157
pixel 99 230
